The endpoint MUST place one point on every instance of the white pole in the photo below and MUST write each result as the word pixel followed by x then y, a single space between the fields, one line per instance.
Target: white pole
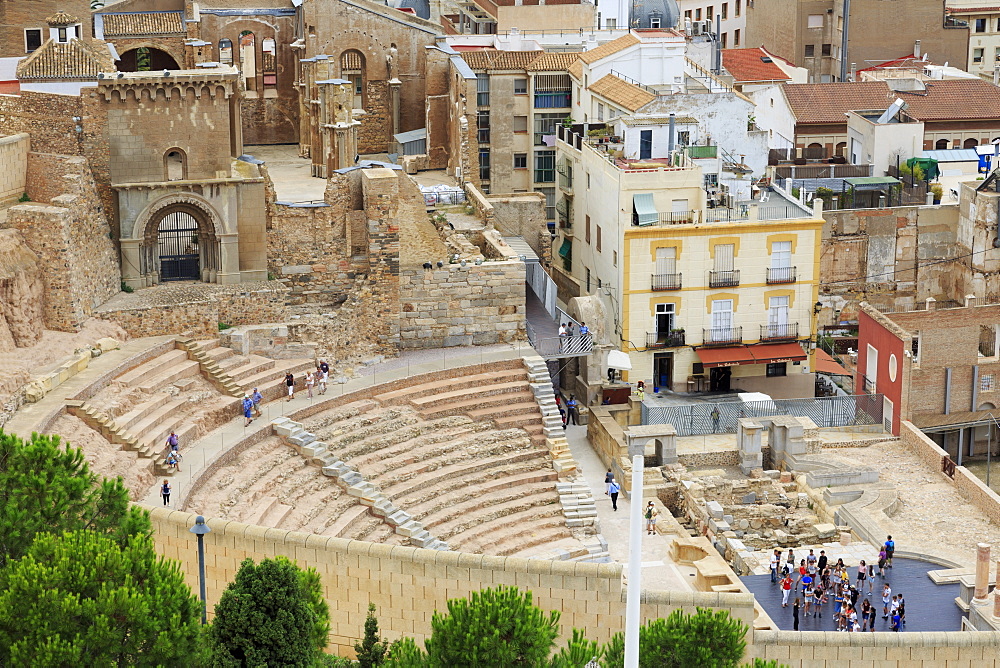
pixel 632 621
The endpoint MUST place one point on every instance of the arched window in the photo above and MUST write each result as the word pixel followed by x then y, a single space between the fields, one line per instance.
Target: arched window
pixel 841 148
pixel 269 62
pixel 970 143
pixel 248 60
pixel 815 151
pixel 175 165
pixel 352 65
pixel 941 144
pixel 226 51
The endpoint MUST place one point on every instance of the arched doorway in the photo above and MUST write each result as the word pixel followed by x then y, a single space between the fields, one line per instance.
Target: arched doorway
pixel 146 59
pixel 941 144
pixel 180 244
pixel 970 143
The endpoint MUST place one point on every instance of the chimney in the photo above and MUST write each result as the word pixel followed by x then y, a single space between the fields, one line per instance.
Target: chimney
pixel 916 49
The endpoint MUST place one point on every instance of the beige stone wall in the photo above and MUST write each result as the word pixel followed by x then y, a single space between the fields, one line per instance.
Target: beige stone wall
pixel 13 166
pixel 912 650
pixel 190 319
pixel 523 215
pixel 252 308
pixel 307 251
pixel 461 306
pixel 71 236
pixel 408 584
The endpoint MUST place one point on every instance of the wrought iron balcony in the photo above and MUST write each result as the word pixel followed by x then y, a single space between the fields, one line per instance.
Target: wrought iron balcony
pixel 780 275
pixel 724 279
pixel 786 332
pixel 671 339
pixel 722 336
pixel 666 281
pixel 869 385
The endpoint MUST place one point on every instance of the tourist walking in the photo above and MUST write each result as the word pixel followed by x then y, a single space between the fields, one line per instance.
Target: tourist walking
pixel 172 460
pixel 584 330
pixel 818 601
pixel 886 600
pixel 822 561
pixel 775 559
pixel 173 442
pixel 165 492
pixel 613 489
pixel 571 405
pixel 862 574
pixel 256 397
pixel 786 589
pixel 290 384
pixel 310 382
pixel 651 513
pixel 890 547
pixel 795 614
pixel 871 578
pixel 325 378
pixel 881 562
pixel 608 477
pixel 247 410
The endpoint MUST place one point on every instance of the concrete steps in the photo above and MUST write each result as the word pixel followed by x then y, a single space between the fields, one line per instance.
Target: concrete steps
pixel 550 530
pixel 472 467
pixel 434 400
pixel 178 371
pixel 342 527
pixel 480 503
pixel 520 511
pixel 157 366
pixel 104 425
pixel 271 382
pixel 198 352
pixel 488 407
pixel 249 366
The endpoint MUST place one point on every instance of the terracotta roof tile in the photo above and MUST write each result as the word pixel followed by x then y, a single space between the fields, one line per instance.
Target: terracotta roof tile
pixel 609 48
pixel 500 60
pixel 576 70
pixel 621 92
pixel 553 62
pixel 72 60
pixel 827 103
pixel 143 23
pixel 955 99
pixel 747 65
pixel 61 18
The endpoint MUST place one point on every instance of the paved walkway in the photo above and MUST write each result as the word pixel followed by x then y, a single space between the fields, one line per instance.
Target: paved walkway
pixel 659 573
pixel 929 607
pixel 199 455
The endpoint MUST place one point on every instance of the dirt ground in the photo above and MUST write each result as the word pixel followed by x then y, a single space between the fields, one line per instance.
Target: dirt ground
pixel 104 458
pixel 18 366
pixel 934 514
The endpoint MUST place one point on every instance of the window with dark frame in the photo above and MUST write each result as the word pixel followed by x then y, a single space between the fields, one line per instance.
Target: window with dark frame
pixel 776 369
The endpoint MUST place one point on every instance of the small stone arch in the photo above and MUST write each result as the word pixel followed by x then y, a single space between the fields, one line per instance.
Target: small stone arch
pixel 352 68
pixel 179 238
pixel 175 164
pixel 147 58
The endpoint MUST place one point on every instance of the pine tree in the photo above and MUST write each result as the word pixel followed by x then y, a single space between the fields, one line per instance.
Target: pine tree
pixel 708 639
pixel 48 487
pixel 272 614
pixel 80 599
pixel 495 627
pixel 371 650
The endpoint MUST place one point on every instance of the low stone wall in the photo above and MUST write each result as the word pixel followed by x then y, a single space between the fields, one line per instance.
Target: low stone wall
pixel 198 319
pixel 13 166
pixel 717 458
pixel 475 197
pixel 408 584
pixel 924 448
pixel 461 306
pixel 916 650
pixel 253 307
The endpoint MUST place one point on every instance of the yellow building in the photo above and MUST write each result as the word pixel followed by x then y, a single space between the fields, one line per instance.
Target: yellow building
pixel 700 298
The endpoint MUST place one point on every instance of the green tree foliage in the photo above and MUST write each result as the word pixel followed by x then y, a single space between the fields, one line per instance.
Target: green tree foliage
pixel 706 639
pixel 371 650
pixel 47 487
pixel 273 614
pixel 81 599
pixel 494 627
pixel 142 60
pixel 577 653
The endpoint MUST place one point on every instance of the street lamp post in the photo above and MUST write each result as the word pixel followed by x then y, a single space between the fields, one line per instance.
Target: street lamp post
pixel 200 529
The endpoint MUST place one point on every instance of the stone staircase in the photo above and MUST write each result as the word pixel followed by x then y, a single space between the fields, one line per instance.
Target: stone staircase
pixel 316 453
pixel 239 374
pixel 107 427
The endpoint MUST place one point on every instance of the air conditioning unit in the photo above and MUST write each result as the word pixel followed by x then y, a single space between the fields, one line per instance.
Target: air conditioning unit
pixel 698 27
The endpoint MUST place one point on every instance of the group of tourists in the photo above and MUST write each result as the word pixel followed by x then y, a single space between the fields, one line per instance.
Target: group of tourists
pixel 821 582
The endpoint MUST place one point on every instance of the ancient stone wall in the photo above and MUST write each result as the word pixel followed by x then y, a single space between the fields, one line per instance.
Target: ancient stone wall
pixel 252 307
pixel 462 306
pixel 523 215
pixel 373 135
pixel 71 236
pixel 199 319
pixel 21 293
pixel 13 166
pixel 307 252
pixel 381 205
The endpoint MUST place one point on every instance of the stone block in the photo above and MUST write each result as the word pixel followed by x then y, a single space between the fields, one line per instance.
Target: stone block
pixel 714 509
pixel 107 343
pixel 845 537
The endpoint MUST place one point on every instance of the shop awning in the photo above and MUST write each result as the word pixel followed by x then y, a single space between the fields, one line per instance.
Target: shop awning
pixel 566 248
pixel 778 352
pixel 645 210
pixel 826 364
pixel 731 356
pixel 619 360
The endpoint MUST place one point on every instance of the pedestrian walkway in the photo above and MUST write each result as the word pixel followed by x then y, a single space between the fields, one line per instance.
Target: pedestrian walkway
pixel 201 454
pixel 929 607
pixel 659 572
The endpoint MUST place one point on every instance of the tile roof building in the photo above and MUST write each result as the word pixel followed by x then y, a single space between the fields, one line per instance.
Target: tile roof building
pixel 753 65
pixel 143 24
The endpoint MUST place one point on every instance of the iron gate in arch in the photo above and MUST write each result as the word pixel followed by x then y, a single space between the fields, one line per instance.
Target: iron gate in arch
pixel 178 248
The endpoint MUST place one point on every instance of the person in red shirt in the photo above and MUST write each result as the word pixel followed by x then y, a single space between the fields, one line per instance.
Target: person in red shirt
pixel 786 589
